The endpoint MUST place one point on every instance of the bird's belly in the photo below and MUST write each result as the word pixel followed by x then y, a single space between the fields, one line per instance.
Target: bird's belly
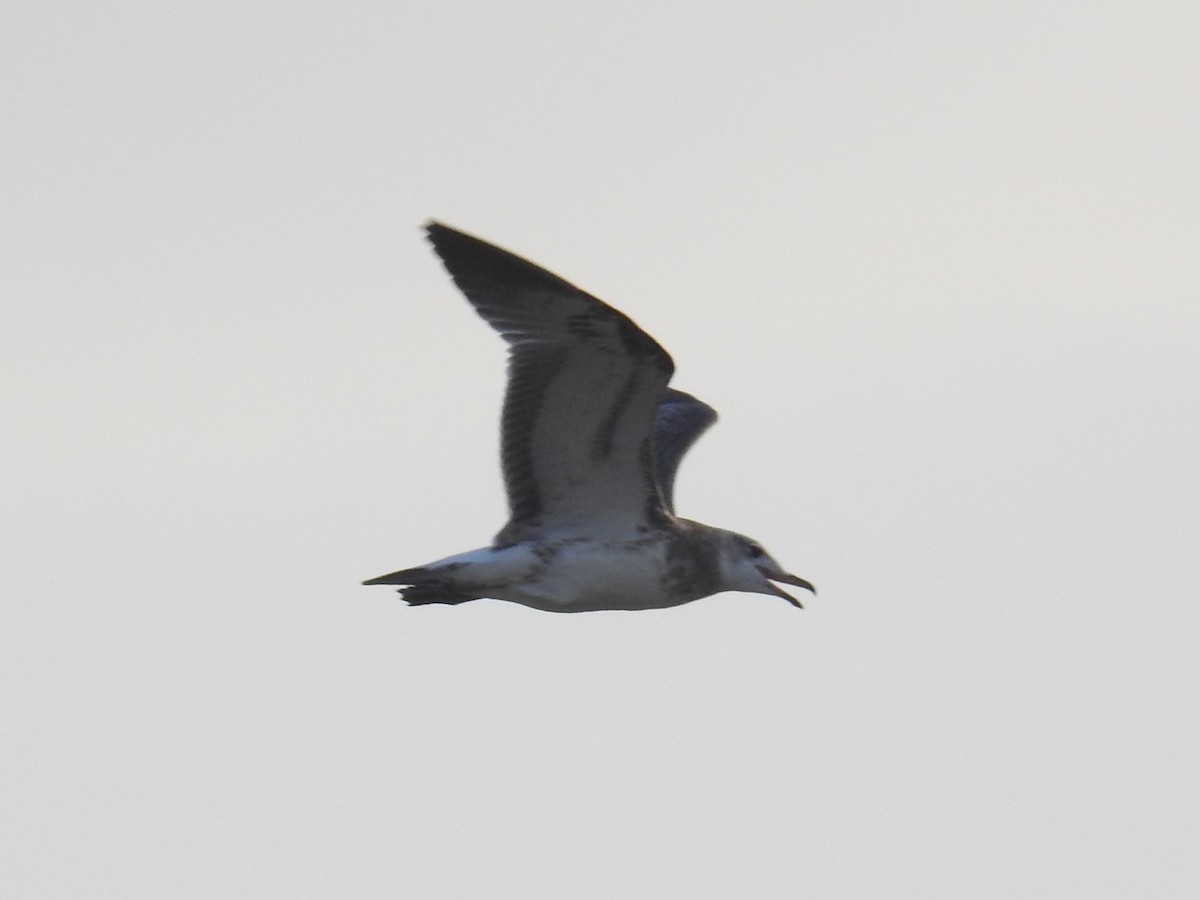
pixel 580 577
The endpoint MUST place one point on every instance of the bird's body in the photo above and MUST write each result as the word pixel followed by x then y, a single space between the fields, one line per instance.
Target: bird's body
pixel 574 574
pixel 591 440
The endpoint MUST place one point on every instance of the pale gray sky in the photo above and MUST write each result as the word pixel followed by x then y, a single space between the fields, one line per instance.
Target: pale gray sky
pixel 935 263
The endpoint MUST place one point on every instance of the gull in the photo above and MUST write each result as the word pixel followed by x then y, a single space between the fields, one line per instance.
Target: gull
pixel 591 439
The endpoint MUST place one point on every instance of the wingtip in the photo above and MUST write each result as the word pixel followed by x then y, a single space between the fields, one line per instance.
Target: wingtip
pixel 436 232
pixel 446 238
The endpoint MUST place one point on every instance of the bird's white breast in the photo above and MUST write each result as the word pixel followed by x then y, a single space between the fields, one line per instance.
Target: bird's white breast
pixel 576 576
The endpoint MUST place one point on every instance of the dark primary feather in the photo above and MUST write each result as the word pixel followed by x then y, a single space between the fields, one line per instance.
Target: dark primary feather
pixel 681 420
pixel 583 393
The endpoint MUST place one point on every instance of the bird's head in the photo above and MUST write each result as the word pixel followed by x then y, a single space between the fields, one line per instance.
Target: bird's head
pixel 746 566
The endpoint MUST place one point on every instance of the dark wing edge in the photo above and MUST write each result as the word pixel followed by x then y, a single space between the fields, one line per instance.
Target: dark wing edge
pixel 477 266
pixel 680 422
pixel 492 278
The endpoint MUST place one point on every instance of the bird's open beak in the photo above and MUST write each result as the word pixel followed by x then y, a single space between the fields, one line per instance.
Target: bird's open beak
pixel 773 576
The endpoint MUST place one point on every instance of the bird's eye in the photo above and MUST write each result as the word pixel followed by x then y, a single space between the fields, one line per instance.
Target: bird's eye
pixel 755 550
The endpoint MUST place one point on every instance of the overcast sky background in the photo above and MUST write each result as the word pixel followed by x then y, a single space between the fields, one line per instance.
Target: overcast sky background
pixel 935 263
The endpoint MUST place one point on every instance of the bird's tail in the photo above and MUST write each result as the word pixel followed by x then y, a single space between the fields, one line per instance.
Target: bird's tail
pixel 424 585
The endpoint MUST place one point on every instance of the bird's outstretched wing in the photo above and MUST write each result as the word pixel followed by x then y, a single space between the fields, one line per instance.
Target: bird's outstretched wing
pixel 681 420
pixel 584 386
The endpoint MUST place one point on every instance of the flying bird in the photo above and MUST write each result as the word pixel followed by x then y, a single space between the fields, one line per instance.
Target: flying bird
pixel 591 439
